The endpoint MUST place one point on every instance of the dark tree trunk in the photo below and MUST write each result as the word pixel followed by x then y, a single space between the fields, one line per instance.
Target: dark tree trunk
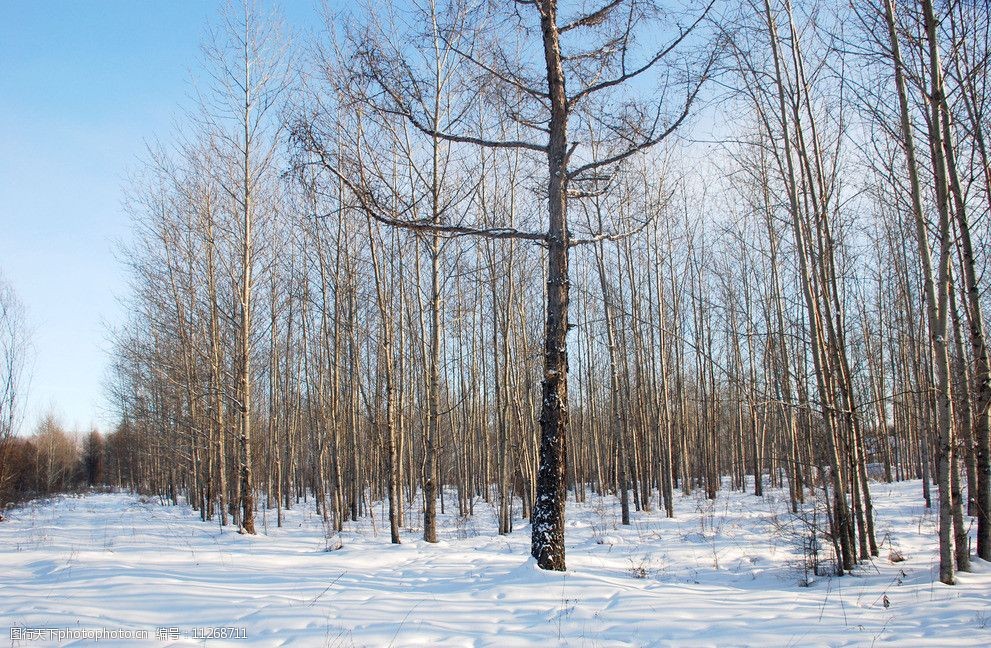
pixel 547 540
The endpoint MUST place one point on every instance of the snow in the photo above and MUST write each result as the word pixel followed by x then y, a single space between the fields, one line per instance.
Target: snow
pixel 723 573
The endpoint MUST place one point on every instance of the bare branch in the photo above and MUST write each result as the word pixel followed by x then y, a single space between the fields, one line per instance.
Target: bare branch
pixel 654 139
pixel 592 19
pixel 371 206
pixel 626 76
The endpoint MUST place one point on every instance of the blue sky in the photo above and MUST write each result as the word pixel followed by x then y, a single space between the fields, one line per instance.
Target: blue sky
pixel 84 85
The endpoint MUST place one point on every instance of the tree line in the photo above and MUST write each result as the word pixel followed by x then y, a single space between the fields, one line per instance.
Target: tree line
pixel 460 252
pixel 52 460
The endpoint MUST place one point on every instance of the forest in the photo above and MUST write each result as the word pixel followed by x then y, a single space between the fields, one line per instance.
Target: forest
pixel 440 253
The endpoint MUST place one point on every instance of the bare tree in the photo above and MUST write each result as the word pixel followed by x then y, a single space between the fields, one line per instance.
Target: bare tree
pixel 600 53
pixel 250 76
pixel 15 349
pixel 398 341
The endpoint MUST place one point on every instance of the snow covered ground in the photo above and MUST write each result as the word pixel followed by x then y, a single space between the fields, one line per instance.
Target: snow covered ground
pixel 721 573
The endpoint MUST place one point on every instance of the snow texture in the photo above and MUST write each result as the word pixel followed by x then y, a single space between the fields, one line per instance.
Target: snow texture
pixel 722 573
